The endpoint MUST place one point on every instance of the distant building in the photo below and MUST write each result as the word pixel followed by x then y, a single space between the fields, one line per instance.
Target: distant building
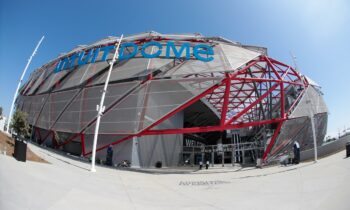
pixel 2 123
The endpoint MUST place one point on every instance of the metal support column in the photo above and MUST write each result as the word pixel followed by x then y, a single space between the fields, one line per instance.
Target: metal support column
pixel 192 156
pixel 223 157
pixel 212 156
pixel 314 137
pixel 233 155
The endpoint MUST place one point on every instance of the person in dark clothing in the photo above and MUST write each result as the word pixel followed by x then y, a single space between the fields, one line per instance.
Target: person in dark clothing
pixel 296 150
pixel 207 164
pixel 109 157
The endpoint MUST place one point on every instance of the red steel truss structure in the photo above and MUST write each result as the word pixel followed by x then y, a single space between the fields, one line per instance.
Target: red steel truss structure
pixel 275 78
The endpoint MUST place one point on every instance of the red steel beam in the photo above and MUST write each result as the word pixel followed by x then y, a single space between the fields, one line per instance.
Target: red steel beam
pixel 226 96
pixel 210 128
pixel 82 139
pixel 252 104
pixel 272 142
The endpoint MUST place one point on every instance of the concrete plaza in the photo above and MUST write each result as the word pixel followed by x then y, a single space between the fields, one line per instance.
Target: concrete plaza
pixel 68 184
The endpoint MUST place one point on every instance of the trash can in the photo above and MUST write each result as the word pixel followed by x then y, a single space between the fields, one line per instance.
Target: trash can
pixel 158 164
pixel 347 149
pixel 20 152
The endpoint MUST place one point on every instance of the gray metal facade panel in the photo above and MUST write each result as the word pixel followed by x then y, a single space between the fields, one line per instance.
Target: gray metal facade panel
pixel 149 103
pixel 299 129
pixel 121 151
pixel 83 109
pixel 311 101
pixel 36 84
pixel 51 80
pixel 103 140
pixel 238 56
pixel 81 74
pixel 37 102
pixel 54 106
pixel 219 64
pixel 164 148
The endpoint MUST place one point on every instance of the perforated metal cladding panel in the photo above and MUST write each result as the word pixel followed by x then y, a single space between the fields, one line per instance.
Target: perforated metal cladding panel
pixel 149 103
pixel 62 137
pixel 160 64
pixel 121 151
pixel 35 79
pixel 37 82
pixel 50 78
pixel 289 131
pixel 77 74
pixel 299 129
pixel 103 140
pixel 165 148
pixel 137 36
pixel 219 64
pixel 81 73
pixel 125 69
pixel 83 109
pixel 238 56
pixel 73 147
pixel 53 108
pixel 123 116
pixel 51 81
pixel 30 84
pixel 311 101
pixel 19 102
pixel 41 134
pixel 23 86
pixel 37 103
pixel 32 79
pixel 164 96
pixel 27 100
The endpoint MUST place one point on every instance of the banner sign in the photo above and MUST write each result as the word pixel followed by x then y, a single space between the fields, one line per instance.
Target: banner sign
pixel 128 50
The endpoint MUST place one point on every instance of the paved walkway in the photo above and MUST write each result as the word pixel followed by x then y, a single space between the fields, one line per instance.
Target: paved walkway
pixel 68 184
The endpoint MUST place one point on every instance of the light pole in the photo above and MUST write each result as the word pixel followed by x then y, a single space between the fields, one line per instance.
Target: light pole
pixel 19 84
pixel 311 115
pixel 314 135
pixel 101 108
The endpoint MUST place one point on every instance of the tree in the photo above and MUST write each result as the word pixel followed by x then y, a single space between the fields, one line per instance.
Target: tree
pixel 20 124
pixel 0 113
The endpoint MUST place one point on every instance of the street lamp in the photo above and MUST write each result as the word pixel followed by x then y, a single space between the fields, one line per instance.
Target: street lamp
pixel 311 116
pixel 101 107
pixel 19 84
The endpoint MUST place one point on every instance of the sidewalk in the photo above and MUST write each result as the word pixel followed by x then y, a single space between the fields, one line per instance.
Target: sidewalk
pixel 68 184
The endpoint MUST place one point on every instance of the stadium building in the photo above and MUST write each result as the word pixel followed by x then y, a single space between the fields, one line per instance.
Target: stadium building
pixel 174 98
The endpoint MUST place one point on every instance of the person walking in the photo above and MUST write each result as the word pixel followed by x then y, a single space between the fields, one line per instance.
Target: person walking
pixel 200 165
pixel 207 164
pixel 296 150
pixel 109 156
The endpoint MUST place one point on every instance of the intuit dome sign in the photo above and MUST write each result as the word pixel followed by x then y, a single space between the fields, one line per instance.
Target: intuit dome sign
pixel 128 50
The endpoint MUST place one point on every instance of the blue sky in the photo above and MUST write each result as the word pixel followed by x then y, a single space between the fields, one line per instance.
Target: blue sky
pixel 316 31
